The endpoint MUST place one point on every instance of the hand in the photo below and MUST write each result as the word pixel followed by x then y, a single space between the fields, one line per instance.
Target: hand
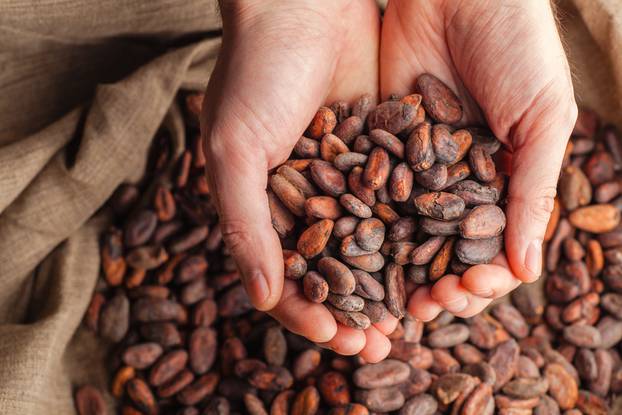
pixel 279 62
pixel 505 61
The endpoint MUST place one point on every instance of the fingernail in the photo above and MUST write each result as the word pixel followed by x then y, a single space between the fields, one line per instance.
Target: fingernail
pixel 533 257
pixel 457 305
pixel 257 287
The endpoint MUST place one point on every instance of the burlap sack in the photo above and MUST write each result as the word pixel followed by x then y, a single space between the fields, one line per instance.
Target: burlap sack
pixel 83 87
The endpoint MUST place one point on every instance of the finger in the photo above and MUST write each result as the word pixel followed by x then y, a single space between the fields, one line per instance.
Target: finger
pixel 239 181
pixel 539 145
pixel 388 325
pixel 347 341
pixel 303 317
pixel 451 295
pixel 377 346
pixel 422 306
pixel 490 280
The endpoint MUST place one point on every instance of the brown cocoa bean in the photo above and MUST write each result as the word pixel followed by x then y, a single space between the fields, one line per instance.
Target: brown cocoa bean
pixel 370 263
pixel 359 189
pixel 450 148
pixel 139 228
pixel 339 277
pixel 391 116
pixel 369 234
pixel 440 205
pixel 582 335
pixel 322 123
pixel 202 348
pixel 199 389
pixel 353 319
pixel 147 257
pixel 504 359
pixel 142 355
pixel 355 206
pixel 474 193
pixel 434 178
pixel 334 388
pixel 315 287
pixel 347 161
pixel 478 251
pixel 562 387
pixel 114 318
pixel 419 150
pixel 599 218
pixel 349 129
pixel 482 222
pixel 449 336
pixel 482 165
pixel 313 240
pixel 511 319
pixel 367 287
pixel 141 396
pixel 382 399
pixel 345 226
pixel 439 264
pixel 401 182
pixel 307 148
pixel 89 401
pixel 525 388
pixel 438 100
pixel 395 293
pixel 331 146
pixel 295 265
pixel 422 404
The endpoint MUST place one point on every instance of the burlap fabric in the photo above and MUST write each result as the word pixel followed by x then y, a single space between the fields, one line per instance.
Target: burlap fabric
pixel 84 85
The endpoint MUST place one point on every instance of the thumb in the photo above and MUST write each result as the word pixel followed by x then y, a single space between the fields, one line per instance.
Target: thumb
pixel 539 142
pixel 239 178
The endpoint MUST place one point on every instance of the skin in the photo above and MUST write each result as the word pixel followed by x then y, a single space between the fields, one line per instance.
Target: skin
pixel 281 60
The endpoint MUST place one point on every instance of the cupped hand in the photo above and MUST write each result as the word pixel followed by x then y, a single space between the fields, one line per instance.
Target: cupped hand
pixel 505 60
pixel 279 62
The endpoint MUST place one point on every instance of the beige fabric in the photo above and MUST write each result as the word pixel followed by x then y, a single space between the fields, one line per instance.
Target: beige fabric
pixel 83 87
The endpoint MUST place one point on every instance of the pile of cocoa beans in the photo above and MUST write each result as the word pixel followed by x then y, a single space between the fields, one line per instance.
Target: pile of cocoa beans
pixel 186 341
pixel 374 195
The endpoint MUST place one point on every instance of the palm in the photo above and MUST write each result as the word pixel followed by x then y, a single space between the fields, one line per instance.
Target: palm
pixel 505 61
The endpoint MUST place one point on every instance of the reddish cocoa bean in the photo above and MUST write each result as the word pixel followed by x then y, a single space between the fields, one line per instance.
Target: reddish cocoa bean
pixel 438 100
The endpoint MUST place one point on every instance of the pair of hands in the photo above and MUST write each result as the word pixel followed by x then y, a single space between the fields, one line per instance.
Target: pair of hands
pixel 281 60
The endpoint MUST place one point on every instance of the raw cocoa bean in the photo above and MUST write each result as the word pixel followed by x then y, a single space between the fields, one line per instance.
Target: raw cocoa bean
pixel 331 146
pixel 419 149
pixel 89 401
pixel 395 293
pixel 449 336
pixel 313 240
pixel 434 178
pixel 387 141
pixel 114 318
pixel 353 319
pixel 482 222
pixel 322 123
pixel 359 189
pixel 328 178
pixel 450 148
pixel 391 116
pixel 562 387
pixel 440 205
pixel 382 399
pixel 478 251
pixel 339 277
pixel 474 193
pixel 599 218
pixel 438 100
pixel 349 129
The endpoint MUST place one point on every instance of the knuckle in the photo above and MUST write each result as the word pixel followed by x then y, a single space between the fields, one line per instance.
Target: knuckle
pixel 538 205
pixel 236 236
